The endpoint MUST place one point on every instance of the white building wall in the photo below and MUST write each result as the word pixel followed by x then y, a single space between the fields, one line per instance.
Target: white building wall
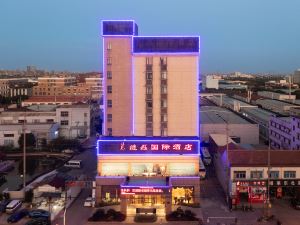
pixel 76 123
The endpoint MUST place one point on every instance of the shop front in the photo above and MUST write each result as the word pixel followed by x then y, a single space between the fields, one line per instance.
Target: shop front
pixel 249 192
pixel 134 199
pixel 285 188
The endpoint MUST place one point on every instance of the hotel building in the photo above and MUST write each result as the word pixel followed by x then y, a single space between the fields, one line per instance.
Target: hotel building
pixel 149 153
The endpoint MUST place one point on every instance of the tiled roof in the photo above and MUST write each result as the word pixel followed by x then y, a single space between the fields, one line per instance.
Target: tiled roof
pixel 56 99
pixel 279 158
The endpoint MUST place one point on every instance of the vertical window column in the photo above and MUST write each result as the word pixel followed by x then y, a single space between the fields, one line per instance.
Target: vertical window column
pixel 149 96
pixel 163 97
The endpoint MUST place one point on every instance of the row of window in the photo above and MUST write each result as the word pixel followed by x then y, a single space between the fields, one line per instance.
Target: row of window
pixel 149 89
pixel 66 122
pixel 149 75
pixel 281 127
pixel 259 174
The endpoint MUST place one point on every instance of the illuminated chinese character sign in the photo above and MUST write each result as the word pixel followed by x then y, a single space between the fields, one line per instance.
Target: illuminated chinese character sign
pixel 143 190
pixel 148 146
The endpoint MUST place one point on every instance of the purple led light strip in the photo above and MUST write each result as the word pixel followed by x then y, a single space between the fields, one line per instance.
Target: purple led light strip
pixel 105 88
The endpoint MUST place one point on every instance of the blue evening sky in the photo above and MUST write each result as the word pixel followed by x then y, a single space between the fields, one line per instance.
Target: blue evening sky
pixel 236 35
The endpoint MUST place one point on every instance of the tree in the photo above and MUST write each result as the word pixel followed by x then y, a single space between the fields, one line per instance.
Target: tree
pixel 61 143
pixel 30 140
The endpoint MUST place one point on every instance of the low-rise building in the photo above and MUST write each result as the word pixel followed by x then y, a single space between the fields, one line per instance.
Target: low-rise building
pixel 276 106
pixel 14 87
pixel 10 133
pixel 211 82
pixel 54 100
pixel 46 122
pixel 277 96
pixel 74 120
pixel 285 133
pixel 243 174
pixel 217 120
pixel 261 117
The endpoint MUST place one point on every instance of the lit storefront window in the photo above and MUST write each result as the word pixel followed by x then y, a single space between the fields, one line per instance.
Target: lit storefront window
pixel 182 195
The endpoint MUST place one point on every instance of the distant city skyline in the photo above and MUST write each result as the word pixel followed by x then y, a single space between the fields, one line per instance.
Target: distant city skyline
pixel 247 36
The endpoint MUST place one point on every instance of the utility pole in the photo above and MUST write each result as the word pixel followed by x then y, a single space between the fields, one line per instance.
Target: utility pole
pixel 24 153
pixel 267 202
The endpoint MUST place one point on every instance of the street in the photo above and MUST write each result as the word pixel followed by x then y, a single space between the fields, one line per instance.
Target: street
pixel 77 213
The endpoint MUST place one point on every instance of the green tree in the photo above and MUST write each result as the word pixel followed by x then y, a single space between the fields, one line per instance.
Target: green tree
pixel 30 140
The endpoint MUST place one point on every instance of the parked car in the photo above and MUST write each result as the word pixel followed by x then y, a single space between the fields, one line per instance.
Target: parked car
pixel 39 213
pixel 39 221
pixel 13 206
pixel 15 217
pixel 295 202
pixel 3 205
pixel 88 202
pixel 68 151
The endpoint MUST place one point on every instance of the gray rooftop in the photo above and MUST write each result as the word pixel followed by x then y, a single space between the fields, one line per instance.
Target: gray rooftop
pixel 259 113
pixel 218 115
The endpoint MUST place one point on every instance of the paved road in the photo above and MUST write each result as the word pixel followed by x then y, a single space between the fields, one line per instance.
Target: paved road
pixel 77 213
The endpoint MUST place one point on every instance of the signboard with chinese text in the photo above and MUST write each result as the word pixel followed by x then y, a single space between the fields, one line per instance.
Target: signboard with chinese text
pixel 143 190
pixel 148 146
pixel 288 182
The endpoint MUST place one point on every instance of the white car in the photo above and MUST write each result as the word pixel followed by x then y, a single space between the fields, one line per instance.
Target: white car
pixel 88 202
pixel 68 151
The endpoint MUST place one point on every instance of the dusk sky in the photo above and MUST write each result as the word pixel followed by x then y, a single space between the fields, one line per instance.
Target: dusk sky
pixel 236 35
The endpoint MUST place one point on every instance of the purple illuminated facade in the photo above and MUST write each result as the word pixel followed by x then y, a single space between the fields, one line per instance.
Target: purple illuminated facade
pixel 150 144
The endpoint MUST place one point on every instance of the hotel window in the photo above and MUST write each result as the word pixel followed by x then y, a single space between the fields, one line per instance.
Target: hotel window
pixel 64 122
pixel 274 174
pixel 149 61
pixel 239 174
pixel 289 174
pixel 149 90
pixel 163 103
pixel 109 46
pixel 22 121
pixel 9 135
pixel 164 118
pixel 85 114
pixel 164 89
pixel 109 60
pixel 163 60
pixel 164 75
pixel 149 119
pixel 149 104
pixel 64 113
pixel 109 74
pixel 109 131
pixel 256 174
pixel 164 132
pixel 109 89
pixel 109 117
pixel 149 75
pixel 50 120
pixel 109 103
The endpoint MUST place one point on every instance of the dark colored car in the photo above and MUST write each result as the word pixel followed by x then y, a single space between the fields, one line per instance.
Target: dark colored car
pixel 295 202
pixel 39 213
pixel 39 221
pixel 17 216
pixel 3 205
